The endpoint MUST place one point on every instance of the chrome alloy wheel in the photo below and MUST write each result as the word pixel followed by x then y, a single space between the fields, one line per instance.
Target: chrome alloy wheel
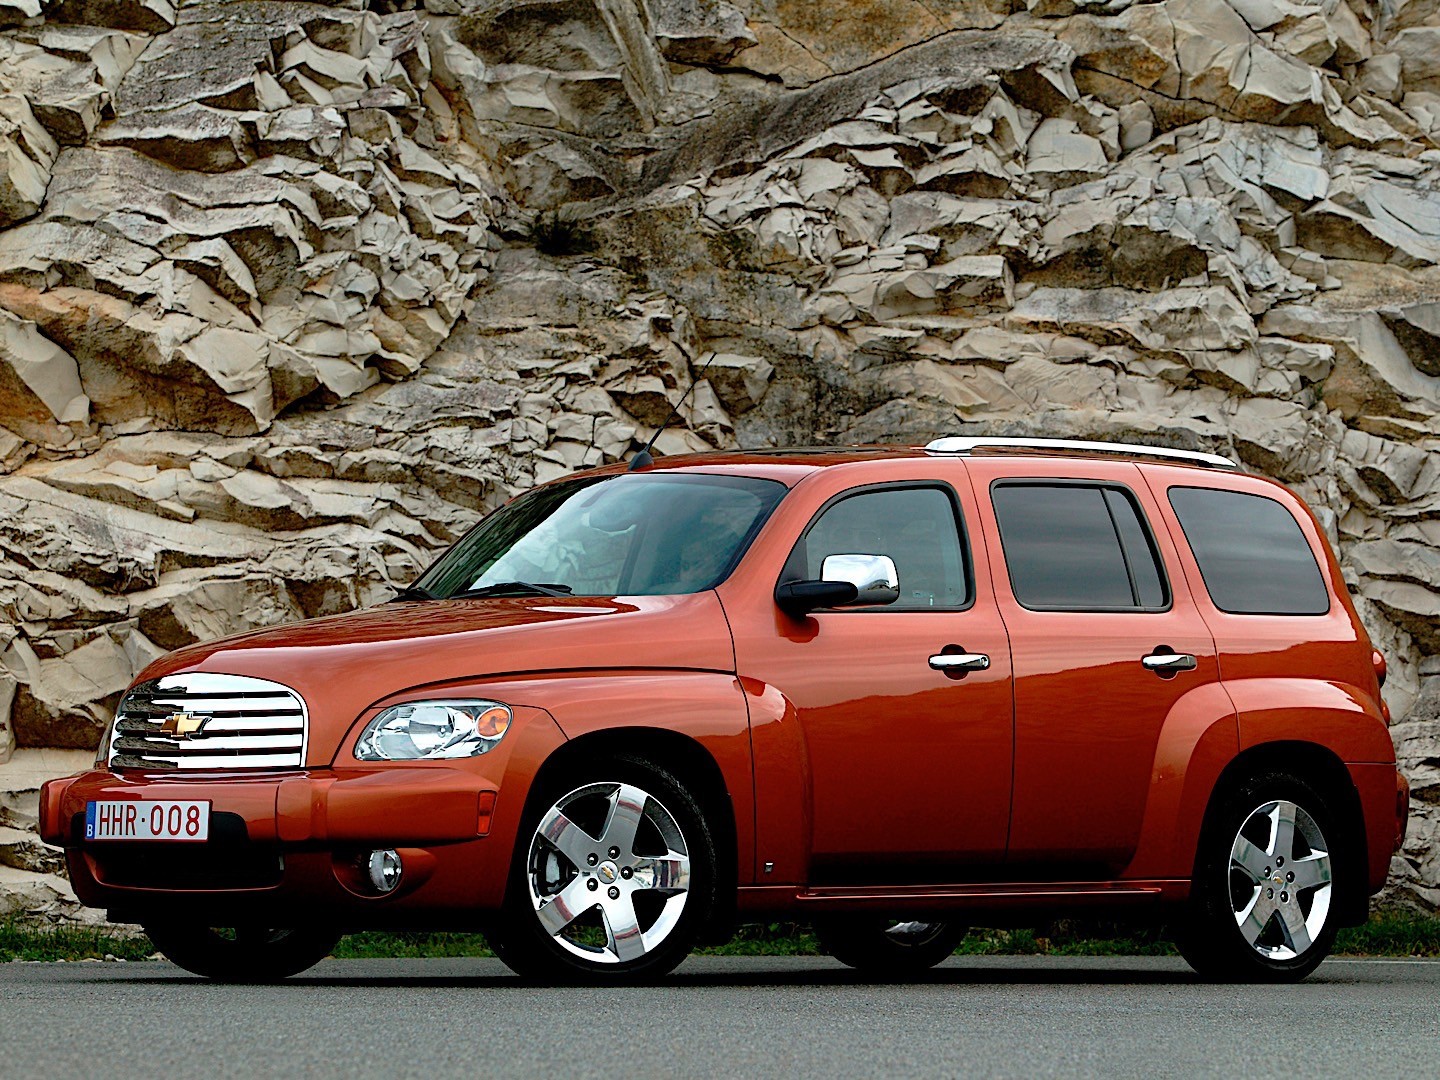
pixel 1280 880
pixel 608 872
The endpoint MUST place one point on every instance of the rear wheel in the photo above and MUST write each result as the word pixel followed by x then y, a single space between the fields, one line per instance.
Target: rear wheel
pixel 879 946
pixel 613 881
pixel 243 954
pixel 1262 904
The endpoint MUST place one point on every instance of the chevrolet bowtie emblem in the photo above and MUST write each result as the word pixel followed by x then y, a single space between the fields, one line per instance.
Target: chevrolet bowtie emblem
pixel 182 724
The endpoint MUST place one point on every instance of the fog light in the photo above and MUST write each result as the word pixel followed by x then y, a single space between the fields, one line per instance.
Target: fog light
pixel 385 870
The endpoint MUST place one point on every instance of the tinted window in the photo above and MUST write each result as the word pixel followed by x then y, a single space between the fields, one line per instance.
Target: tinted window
pixel 1251 552
pixel 636 534
pixel 916 527
pixel 1076 547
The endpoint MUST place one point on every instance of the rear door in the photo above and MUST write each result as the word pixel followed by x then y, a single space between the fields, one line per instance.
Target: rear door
pixel 1105 639
pixel 1260 584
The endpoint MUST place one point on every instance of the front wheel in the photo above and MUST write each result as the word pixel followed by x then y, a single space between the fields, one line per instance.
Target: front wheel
pixel 243 954
pixel 613 880
pixel 885 947
pixel 1262 904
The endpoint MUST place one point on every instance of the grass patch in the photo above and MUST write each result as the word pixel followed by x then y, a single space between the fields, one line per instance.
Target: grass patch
pixel 1391 933
pixel 379 944
pixel 1065 939
pixel 27 941
pixel 767 939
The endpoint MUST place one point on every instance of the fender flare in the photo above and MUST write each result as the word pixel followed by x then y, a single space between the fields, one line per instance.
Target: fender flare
pixel 696 715
pixel 1198 739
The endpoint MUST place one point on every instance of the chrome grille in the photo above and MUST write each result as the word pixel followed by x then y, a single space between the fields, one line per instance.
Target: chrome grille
pixel 201 720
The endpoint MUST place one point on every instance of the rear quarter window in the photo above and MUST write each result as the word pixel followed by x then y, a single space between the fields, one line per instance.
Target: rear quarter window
pixel 1251 553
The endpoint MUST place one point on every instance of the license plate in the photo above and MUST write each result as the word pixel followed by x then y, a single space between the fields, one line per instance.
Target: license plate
pixel 141 819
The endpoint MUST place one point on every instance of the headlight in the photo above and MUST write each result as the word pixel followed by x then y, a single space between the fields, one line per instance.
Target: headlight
pixel 433 729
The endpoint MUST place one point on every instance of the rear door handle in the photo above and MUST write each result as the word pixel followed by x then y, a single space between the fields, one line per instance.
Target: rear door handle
pixel 962 661
pixel 1167 663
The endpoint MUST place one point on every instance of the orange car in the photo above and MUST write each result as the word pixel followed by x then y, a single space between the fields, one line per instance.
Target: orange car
pixel 889 691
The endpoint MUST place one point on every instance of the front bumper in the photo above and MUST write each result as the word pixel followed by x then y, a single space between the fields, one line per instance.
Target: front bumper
pixel 290 846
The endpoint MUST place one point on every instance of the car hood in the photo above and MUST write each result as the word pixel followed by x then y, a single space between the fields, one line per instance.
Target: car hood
pixel 343 664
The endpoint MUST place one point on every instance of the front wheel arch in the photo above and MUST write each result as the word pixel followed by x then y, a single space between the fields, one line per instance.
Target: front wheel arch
pixel 1327 772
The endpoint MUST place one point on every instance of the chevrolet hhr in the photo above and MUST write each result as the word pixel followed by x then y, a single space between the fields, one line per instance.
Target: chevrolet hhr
pixel 893 692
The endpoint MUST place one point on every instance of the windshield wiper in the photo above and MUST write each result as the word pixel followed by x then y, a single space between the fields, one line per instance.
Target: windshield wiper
pixel 411 592
pixel 512 588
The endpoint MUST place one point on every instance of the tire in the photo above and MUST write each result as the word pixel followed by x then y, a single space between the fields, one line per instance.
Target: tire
pixel 243 954
pixel 887 948
pixel 613 879
pixel 1263 908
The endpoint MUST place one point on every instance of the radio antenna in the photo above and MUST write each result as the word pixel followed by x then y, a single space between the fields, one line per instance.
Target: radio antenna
pixel 643 458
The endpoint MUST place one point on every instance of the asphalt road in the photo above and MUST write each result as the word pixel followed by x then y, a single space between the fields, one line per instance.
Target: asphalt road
pixel 720 1017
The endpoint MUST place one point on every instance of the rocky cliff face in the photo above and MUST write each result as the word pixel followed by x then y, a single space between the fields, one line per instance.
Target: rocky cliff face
pixel 289 293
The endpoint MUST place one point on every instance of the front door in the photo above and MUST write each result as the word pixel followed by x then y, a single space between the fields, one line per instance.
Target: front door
pixel 909 759
pixel 1104 650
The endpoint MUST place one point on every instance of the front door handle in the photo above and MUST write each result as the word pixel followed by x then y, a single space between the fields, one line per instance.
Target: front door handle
pixel 961 661
pixel 1168 663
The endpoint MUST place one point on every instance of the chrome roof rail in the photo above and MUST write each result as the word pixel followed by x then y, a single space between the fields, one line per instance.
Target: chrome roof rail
pixel 965 444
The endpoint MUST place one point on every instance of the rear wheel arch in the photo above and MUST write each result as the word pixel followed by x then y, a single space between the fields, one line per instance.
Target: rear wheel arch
pixel 690 762
pixel 1322 768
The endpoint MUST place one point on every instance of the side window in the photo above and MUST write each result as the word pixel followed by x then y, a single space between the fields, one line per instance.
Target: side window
pixel 918 527
pixel 1140 557
pixel 1251 552
pixel 1077 547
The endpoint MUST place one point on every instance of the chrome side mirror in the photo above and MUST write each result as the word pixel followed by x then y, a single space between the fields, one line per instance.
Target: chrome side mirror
pixel 875 578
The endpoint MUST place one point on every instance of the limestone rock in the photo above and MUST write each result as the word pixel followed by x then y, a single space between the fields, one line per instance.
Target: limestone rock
pixel 40 391
pixel 1418 48
pixel 1196 49
pixel 740 381
pixel 22 850
pixel 143 16
pixel 1376 218
pixel 27 153
pixel 32 874
pixel 8 685
pixel 15 11
pixel 1403 579
pixel 1060 153
pixel 701 31
pixel 801 42
pixel 1382 76
pixel 27 895
pixel 291 293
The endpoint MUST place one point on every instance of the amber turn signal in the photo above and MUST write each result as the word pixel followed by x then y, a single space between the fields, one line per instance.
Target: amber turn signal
pixel 492 723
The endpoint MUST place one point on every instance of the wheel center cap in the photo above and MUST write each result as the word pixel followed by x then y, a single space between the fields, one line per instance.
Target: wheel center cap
pixel 1279 880
pixel 607 872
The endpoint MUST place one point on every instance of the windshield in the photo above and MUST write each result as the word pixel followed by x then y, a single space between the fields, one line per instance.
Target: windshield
pixel 634 534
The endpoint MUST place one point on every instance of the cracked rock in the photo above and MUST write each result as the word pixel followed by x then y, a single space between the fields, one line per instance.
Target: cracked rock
pixel 290 293
pixel 708 32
